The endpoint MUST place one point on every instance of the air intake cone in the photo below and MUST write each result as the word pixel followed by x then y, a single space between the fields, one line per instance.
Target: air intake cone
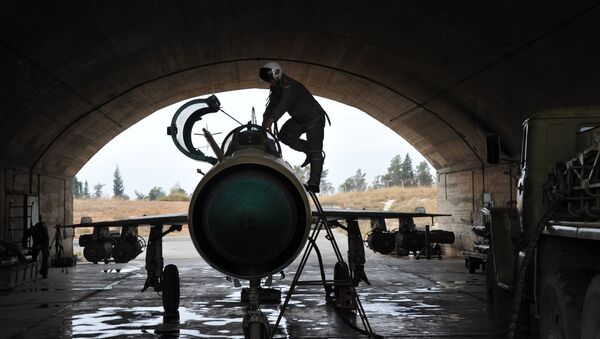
pixel 248 221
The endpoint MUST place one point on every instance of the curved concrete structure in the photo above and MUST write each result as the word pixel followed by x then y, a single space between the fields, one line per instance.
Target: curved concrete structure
pixel 442 75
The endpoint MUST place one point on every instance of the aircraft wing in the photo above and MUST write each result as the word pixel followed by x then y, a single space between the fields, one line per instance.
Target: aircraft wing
pixel 150 220
pixel 343 214
pixel 330 214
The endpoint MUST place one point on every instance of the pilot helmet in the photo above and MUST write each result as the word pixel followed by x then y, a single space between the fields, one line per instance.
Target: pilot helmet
pixel 270 70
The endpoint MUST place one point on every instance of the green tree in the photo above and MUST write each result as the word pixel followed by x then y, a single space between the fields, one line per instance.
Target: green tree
pixel 392 177
pixel 177 189
pixel 378 182
pixel 140 196
pixel 77 188
pixel 325 186
pixel 347 185
pixel 360 181
pixel 357 182
pixel 86 191
pixel 98 190
pixel 407 174
pixel 176 193
pixel 156 193
pixel 118 187
pixel 424 178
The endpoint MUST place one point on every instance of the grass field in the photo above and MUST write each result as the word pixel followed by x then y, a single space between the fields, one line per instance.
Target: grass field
pixel 108 209
pixel 393 198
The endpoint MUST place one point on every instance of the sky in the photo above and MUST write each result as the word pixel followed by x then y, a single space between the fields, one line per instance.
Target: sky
pixel 147 156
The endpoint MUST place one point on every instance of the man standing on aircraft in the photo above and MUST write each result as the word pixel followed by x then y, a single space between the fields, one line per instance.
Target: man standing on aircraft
pixel 307 116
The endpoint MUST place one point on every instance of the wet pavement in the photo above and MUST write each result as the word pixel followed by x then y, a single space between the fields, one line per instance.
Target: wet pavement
pixel 407 299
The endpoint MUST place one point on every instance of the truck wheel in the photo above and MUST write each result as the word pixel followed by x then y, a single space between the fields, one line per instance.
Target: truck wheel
pixel 590 326
pixel 499 301
pixel 170 289
pixel 561 303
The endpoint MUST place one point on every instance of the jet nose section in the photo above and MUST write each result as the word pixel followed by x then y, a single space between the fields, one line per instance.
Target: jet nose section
pixel 248 221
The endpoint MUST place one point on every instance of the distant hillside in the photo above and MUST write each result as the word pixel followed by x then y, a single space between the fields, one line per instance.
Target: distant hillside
pixel 395 199
pixel 404 199
pixel 392 198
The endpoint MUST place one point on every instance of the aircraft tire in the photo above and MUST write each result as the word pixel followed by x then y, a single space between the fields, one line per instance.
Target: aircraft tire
pixel 590 327
pixel 170 292
pixel 257 331
pixel 561 303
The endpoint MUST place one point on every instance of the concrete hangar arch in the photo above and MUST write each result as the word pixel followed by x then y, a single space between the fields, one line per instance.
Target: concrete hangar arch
pixel 442 75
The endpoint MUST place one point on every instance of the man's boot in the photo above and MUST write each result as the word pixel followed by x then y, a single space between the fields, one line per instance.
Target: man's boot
pixel 306 161
pixel 316 168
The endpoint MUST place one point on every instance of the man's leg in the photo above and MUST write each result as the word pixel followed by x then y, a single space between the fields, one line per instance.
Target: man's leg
pixel 314 137
pixel 45 259
pixel 35 251
pixel 290 135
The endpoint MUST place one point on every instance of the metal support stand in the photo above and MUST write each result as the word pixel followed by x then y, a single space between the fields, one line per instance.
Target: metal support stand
pixel 340 291
pixel 427 247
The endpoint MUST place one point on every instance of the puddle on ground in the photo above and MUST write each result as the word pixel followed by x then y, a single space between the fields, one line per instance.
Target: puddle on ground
pixel 117 321
pixel 221 316
pixel 121 270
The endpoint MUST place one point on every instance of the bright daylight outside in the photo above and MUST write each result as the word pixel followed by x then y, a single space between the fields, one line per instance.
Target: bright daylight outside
pixel 141 172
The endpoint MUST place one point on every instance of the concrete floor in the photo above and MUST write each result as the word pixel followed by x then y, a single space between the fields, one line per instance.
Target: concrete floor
pixel 407 299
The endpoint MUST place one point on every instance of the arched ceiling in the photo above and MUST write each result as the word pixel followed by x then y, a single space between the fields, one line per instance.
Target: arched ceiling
pixel 440 74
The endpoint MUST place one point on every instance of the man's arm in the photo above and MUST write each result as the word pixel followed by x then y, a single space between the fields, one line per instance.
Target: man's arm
pixel 274 98
pixel 278 106
pixel 284 103
pixel 267 122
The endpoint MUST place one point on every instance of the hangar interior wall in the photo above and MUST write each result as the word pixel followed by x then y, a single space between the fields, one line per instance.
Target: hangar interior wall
pixel 460 193
pixel 54 196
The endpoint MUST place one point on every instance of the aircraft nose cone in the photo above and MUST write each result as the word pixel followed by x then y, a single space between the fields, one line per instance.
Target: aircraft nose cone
pixel 247 222
pixel 249 218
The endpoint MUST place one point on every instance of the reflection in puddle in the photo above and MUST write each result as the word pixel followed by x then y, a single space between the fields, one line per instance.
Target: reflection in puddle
pixel 117 321
pixel 414 306
pixel 122 270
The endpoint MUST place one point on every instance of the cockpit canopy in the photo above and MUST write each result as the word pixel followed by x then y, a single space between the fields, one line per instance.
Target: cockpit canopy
pixel 183 122
pixel 245 136
pixel 251 136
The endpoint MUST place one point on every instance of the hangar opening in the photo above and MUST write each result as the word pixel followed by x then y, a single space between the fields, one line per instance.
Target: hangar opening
pixel 447 77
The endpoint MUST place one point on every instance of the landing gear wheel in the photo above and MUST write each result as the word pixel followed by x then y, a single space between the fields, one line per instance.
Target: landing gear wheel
pixel 255 325
pixel 256 331
pixel 561 303
pixel 170 289
pixel 590 327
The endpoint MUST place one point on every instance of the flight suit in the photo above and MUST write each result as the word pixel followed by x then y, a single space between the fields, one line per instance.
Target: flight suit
pixel 307 116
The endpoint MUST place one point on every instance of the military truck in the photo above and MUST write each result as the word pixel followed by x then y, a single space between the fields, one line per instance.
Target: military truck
pixel 543 267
